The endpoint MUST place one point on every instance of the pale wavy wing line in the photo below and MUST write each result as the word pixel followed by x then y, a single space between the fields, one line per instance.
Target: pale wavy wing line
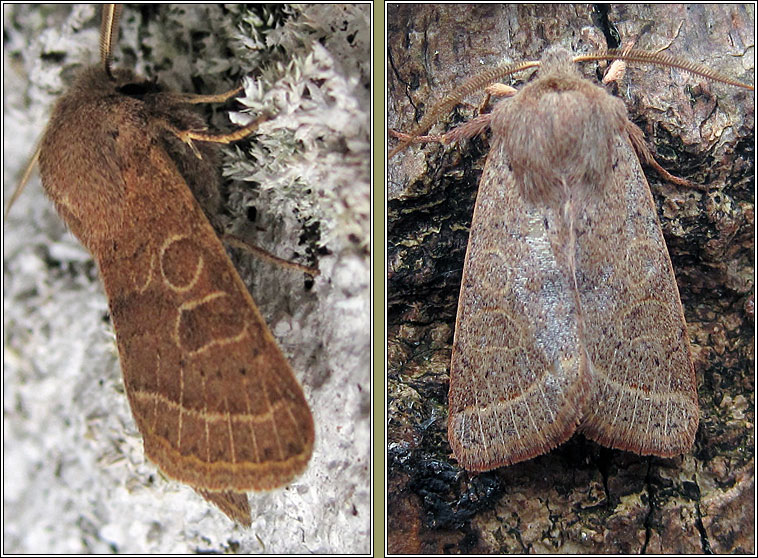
pixel 212 416
pixel 156 398
pixel 216 341
pixel 626 389
pixel 148 280
pixel 498 203
pixel 525 394
pixel 223 416
pixel 479 409
pixel 497 409
pixel 628 207
pixel 654 391
pixel 638 392
pixel 494 407
pixel 184 218
pixel 503 291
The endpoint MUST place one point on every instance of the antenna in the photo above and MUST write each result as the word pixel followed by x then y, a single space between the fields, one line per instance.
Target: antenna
pixel 109 35
pixel 490 76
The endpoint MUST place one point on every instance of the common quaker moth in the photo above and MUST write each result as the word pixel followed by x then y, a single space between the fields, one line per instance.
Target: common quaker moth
pixel 214 398
pixel 517 386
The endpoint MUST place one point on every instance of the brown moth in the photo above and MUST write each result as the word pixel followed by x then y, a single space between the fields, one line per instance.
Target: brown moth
pixel 216 401
pixel 569 318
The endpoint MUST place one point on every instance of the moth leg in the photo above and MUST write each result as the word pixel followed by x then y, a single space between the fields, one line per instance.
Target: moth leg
pixel 24 179
pixel 638 142
pixel 615 72
pixel 501 90
pixel 193 99
pixel 416 139
pixel 187 136
pixel 237 242
pixel 466 130
pixel 496 90
pixel 617 69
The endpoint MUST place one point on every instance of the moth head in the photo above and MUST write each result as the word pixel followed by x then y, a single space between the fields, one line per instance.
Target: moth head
pixel 558 61
pixel 94 81
pixel 135 87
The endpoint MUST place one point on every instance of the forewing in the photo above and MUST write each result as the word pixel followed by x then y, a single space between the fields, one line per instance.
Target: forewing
pixel 518 371
pixel 233 504
pixel 214 398
pixel 643 395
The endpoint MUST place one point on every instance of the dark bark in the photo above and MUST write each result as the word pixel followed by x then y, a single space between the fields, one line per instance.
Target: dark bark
pixel 580 497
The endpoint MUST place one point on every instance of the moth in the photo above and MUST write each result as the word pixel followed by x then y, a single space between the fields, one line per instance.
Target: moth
pixel 569 318
pixel 216 401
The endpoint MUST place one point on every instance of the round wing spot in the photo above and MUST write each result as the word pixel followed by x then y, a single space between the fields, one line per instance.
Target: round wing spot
pixel 644 318
pixel 645 261
pixel 181 263
pixel 491 327
pixel 493 272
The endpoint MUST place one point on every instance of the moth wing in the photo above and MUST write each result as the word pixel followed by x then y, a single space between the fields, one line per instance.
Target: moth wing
pixel 643 396
pixel 518 372
pixel 233 504
pixel 216 401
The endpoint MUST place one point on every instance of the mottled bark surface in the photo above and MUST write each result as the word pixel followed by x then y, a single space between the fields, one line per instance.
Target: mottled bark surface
pixel 580 497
